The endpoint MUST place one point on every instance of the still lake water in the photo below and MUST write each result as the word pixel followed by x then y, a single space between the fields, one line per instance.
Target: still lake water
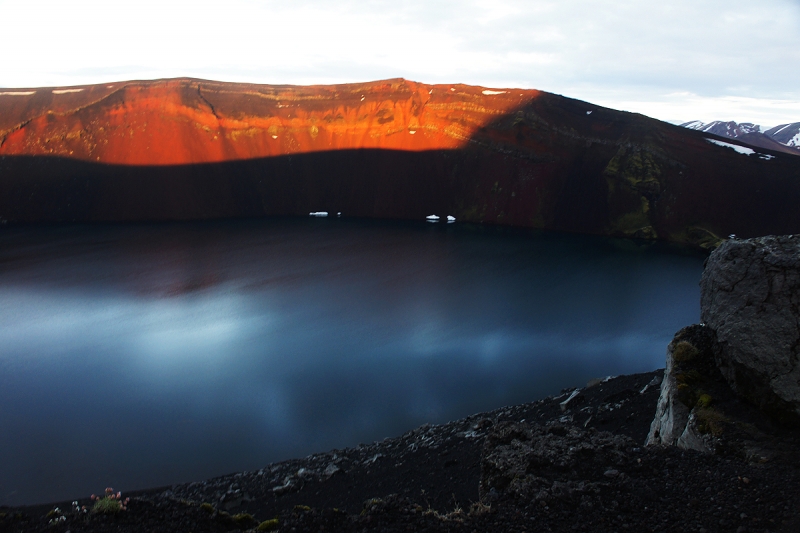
pixel 143 355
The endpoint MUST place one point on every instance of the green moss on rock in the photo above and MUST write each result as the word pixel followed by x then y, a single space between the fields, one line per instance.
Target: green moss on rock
pixel 684 352
pixel 268 525
pixel 710 421
pixel 704 401
pixel 698 236
pixel 633 180
pixel 243 519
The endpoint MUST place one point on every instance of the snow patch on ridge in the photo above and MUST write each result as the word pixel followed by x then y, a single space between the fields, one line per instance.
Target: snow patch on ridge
pixel 739 149
pixel 65 91
pixel 780 130
pixel 487 92
pixel 17 93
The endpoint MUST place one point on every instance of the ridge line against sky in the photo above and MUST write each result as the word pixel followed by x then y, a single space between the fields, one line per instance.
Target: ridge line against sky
pixel 683 60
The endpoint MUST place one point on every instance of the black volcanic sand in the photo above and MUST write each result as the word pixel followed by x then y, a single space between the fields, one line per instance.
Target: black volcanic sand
pixel 428 480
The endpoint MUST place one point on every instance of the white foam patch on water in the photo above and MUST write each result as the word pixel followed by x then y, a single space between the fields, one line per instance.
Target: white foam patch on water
pixel 17 93
pixel 318 214
pixel 487 92
pixel 65 91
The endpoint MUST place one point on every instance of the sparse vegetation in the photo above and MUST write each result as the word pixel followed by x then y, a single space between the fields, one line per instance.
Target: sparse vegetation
pixel 710 421
pixel 110 503
pixel 684 351
pixel 268 525
pixel 704 400
pixel 480 508
pixel 243 519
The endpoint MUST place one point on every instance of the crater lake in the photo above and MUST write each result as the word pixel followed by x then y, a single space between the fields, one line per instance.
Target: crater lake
pixel 142 355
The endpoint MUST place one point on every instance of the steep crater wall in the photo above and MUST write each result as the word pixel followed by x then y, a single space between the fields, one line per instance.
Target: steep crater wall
pixel 195 149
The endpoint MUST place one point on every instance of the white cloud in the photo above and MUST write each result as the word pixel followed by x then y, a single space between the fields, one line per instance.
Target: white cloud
pixel 713 49
pixel 679 107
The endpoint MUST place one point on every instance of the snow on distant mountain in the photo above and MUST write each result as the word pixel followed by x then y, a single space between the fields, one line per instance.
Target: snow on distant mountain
pixel 788 134
pixel 783 138
pixel 723 129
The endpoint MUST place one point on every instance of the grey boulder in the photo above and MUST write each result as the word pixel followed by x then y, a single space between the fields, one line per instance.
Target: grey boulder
pixel 750 296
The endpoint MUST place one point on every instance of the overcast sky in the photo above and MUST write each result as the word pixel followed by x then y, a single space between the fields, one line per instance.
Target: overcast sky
pixel 673 60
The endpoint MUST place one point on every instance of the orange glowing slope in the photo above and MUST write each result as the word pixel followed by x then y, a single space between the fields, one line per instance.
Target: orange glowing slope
pixel 190 121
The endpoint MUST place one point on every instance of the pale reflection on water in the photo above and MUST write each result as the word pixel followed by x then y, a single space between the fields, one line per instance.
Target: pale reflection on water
pixel 144 355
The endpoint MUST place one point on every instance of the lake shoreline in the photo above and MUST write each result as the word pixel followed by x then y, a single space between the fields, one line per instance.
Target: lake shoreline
pixel 429 479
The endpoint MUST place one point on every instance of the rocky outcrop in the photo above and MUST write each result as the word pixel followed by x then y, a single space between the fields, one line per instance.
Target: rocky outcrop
pixel 724 375
pixel 698 410
pixel 683 406
pixel 750 297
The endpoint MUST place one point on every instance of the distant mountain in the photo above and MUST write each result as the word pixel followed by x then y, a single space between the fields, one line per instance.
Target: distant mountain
pixel 187 149
pixel 778 138
pixel 788 134
pixel 724 129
